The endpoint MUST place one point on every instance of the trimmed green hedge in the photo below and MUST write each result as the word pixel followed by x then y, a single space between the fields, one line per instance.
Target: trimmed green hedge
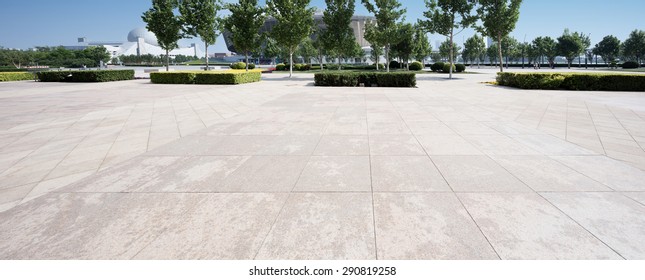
pixel 573 81
pixel 13 70
pixel 206 78
pixel 16 76
pixel 93 76
pixel 349 79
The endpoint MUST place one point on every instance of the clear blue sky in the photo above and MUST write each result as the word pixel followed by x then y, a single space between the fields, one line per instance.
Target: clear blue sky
pixel 32 23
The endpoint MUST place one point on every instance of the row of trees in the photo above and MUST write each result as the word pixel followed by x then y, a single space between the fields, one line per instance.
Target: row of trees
pixel 54 57
pixel 295 24
pixel 570 45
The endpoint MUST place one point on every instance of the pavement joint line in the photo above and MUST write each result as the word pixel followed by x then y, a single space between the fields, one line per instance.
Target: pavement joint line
pixel 626 130
pixel 115 139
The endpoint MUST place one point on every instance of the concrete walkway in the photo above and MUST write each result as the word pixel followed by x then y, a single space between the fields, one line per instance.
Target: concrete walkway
pixel 282 170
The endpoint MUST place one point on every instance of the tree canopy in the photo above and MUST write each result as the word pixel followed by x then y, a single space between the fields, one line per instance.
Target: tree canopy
pixel 474 47
pixel 608 48
pixel 201 20
pixel 634 46
pixel 244 23
pixel 570 45
pixel 499 18
pixel 162 21
pixel 338 36
pixel 295 22
pixel 388 14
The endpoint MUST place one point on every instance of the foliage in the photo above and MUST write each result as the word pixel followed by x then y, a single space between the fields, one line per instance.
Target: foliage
pixel 405 47
pixel 162 21
pixel 368 79
pixel 474 48
pixel 437 66
pixel 294 23
pixel 416 66
pixel 630 65
pixel 510 48
pixel 244 23
pixel 15 76
pixel 200 19
pixel 338 37
pixel 570 45
pixel 211 78
pixel 242 66
pixel 449 68
pixel 573 81
pixel 547 48
pixel 446 16
pixel 388 13
pixel 634 46
pixel 493 53
pixel 460 67
pixel 93 76
pixel 498 20
pixel 306 50
pixel 422 48
pixel 281 67
pixel 55 57
pixel 445 51
pixel 394 64
pixel 608 48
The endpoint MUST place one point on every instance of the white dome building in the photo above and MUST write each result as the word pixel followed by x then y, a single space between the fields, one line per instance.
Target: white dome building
pixel 141 42
pixel 148 37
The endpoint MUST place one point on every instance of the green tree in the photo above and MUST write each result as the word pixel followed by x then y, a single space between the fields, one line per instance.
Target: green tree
pixel 634 46
pixel 422 47
pixel 201 20
pixel 162 21
pixel 532 53
pixel 493 54
pixel 372 36
pixel 509 49
pixel 570 46
pixel 338 37
pixel 446 16
pixel 474 47
pixel 548 48
pixel 97 54
pixel 306 50
pixel 388 13
pixel 498 18
pixel 446 51
pixel 405 47
pixel 320 49
pixel 270 49
pixel 608 49
pixel 244 23
pixel 295 22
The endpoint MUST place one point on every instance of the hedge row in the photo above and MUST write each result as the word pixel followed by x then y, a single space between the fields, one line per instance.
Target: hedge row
pixel 16 76
pixel 93 76
pixel 368 79
pixel 206 78
pixel 573 81
pixel 12 70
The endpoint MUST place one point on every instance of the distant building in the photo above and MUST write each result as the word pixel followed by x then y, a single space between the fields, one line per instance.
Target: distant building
pixel 140 41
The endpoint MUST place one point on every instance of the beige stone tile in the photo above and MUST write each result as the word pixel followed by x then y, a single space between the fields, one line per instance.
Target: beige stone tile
pixel 395 145
pixel 220 227
pixel 289 145
pixel 613 218
pixel 53 185
pixel 542 173
pixel 14 195
pixel 499 145
pixel 327 226
pixel 406 174
pixel 427 226
pixel 336 174
pixel 551 145
pixel 333 145
pixel 612 173
pixel 525 226
pixel 265 174
pixel 477 174
pixel 447 145
pixel 429 128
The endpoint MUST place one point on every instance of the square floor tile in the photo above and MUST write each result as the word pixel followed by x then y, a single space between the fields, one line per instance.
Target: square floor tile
pixel 406 174
pixel 395 145
pixel 447 145
pixel 333 145
pixel 332 226
pixel 525 226
pixel 265 174
pixel 477 174
pixel 614 174
pixel 427 226
pixel 336 174
pixel 220 227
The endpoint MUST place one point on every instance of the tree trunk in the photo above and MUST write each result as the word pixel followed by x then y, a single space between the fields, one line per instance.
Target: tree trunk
pixel 206 55
pixel 322 67
pixel 167 60
pixel 339 66
pixel 387 59
pixel 290 64
pixel 451 54
pixel 246 58
pixel 499 52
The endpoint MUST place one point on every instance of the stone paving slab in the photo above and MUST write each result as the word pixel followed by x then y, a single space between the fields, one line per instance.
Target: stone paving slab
pixel 282 170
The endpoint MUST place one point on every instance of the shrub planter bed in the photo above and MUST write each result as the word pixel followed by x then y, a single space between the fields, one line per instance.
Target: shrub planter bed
pixel 368 79
pixel 573 81
pixel 16 76
pixel 206 78
pixel 93 76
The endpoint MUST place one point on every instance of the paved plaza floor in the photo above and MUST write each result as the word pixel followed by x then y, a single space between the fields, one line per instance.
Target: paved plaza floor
pixel 284 170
